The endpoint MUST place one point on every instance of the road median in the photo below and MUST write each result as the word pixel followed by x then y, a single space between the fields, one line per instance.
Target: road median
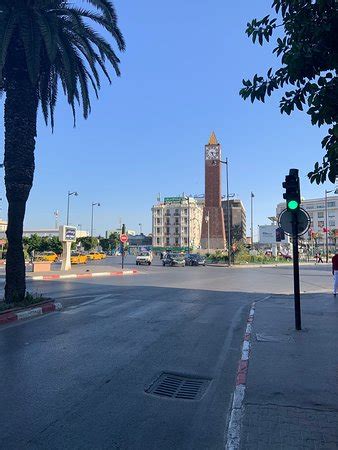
pixel 14 315
pixel 69 276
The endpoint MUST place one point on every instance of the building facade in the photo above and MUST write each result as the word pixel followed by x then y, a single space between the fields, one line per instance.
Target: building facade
pixel 237 219
pixel 213 230
pixel 316 210
pixel 176 224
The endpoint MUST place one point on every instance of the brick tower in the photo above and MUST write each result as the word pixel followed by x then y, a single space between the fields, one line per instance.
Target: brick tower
pixel 213 217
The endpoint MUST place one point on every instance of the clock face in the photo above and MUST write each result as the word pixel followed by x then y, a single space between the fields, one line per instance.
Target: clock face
pixel 212 153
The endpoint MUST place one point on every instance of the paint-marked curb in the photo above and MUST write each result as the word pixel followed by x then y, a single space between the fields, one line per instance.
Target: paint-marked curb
pixel 82 275
pixel 13 316
pixel 236 412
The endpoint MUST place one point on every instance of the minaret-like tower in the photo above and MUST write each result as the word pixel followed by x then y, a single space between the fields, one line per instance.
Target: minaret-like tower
pixel 213 218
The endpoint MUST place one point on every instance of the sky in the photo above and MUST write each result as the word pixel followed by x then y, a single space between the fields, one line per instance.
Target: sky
pixel 181 74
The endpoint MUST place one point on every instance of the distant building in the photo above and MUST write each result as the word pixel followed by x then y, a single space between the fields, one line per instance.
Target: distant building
pixel 237 219
pixel 267 234
pixel 316 209
pixel 140 240
pixel 175 221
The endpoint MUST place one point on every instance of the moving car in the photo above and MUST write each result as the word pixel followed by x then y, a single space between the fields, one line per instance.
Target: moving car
pixel 194 260
pixel 103 255
pixel 173 259
pixel 78 258
pixel 47 256
pixel 144 258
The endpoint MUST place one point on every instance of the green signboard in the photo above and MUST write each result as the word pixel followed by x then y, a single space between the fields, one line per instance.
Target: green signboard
pixel 173 199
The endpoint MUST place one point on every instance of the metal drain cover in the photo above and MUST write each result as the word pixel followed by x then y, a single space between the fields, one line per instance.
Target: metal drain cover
pixel 181 387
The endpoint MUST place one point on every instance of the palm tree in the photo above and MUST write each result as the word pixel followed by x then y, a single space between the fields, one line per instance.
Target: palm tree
pixel 45 45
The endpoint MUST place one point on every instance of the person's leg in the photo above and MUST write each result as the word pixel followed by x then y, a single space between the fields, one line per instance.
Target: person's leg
pixel 335 282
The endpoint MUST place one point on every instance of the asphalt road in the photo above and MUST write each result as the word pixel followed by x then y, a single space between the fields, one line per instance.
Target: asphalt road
pixel 78 379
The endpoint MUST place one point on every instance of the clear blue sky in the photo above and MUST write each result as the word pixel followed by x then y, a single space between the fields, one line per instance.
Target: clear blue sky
pixel 181 75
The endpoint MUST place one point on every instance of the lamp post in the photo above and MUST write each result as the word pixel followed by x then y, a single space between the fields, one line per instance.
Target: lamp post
pixel 69 194
pixel 252 224
pixel 207 219
pixel 92 221
pixel 140 225
pixel 326 230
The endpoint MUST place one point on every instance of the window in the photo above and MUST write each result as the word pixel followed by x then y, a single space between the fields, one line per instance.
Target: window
pixel 320 215
pixel 168 230
pixel 185 241
pixel 331 204
pixel 167 241
pixel 167 222
pixel 176 211
pixel 185 211
pixel 176 221
pixel 320 223
pixel 176 241
pixel 158 241
pixel 158 221
pixel 176 230
pixel 310 207
pixel 332 223
pixel 185 229
pixel 320 206
pixel 158 230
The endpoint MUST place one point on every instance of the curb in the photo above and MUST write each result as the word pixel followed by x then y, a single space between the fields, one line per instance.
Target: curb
pixel 236 412
pixel 82 275
pixel 10 317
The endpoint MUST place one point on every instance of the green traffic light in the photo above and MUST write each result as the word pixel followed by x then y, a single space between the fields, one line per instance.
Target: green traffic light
pixel 293 204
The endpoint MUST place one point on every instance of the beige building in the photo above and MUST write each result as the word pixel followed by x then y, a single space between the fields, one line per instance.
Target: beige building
pixel 176 222
pixel 319 212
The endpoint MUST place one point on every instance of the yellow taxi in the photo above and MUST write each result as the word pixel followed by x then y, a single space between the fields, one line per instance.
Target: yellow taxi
pixel 78 258
pixel 103 255
pixel 47 256
pixel 94 256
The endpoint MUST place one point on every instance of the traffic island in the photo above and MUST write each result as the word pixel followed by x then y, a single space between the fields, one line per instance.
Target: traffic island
pixel 14 314
pixel 79 275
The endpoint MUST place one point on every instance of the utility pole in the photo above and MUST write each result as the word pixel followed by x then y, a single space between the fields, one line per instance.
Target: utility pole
pixel 69 194
pixel 92 219
pixel 252 221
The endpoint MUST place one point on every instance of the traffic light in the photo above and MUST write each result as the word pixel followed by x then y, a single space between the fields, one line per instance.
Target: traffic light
pixel 280 235
pixel 292 190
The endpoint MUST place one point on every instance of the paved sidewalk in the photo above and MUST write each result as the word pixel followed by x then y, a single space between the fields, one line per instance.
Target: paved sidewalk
pixel 291 397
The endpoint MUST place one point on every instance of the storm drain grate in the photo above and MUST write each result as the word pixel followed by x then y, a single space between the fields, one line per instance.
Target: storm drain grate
pixel 180 387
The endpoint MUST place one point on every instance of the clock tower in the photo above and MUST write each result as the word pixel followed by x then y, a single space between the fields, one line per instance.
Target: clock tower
pixel 213 218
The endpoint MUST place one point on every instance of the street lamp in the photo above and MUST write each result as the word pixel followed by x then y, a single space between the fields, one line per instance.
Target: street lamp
pixel 326 230
pixel 207 219
pixel 92 221
pixel 69 194
pixel 252 225
pixel 140 225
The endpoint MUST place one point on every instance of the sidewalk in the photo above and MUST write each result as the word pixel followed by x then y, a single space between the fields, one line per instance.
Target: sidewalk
pixel 291 399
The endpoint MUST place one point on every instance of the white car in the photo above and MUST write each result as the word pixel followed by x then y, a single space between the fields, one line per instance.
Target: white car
pixel 144 258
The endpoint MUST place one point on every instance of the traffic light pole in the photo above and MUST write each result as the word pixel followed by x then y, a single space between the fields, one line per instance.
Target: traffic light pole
pixel 296 284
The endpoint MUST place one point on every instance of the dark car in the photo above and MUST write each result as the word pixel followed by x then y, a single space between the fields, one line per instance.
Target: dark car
pixel 194 260
pixel 173 259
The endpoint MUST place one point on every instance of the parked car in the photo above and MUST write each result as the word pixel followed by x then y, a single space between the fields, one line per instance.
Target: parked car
pixel 173 259
pixel 194 260
pixel 94 256
pixel 46 256
pixel 144 258
pixel 78 258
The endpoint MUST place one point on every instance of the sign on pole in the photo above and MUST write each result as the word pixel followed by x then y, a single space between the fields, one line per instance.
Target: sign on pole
pixel 124 238
pixel 286 220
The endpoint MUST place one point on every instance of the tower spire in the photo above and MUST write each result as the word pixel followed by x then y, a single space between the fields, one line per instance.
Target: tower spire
pixel 213 139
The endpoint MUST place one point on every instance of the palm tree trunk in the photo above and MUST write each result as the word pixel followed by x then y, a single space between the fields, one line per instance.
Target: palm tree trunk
pixel 20 132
